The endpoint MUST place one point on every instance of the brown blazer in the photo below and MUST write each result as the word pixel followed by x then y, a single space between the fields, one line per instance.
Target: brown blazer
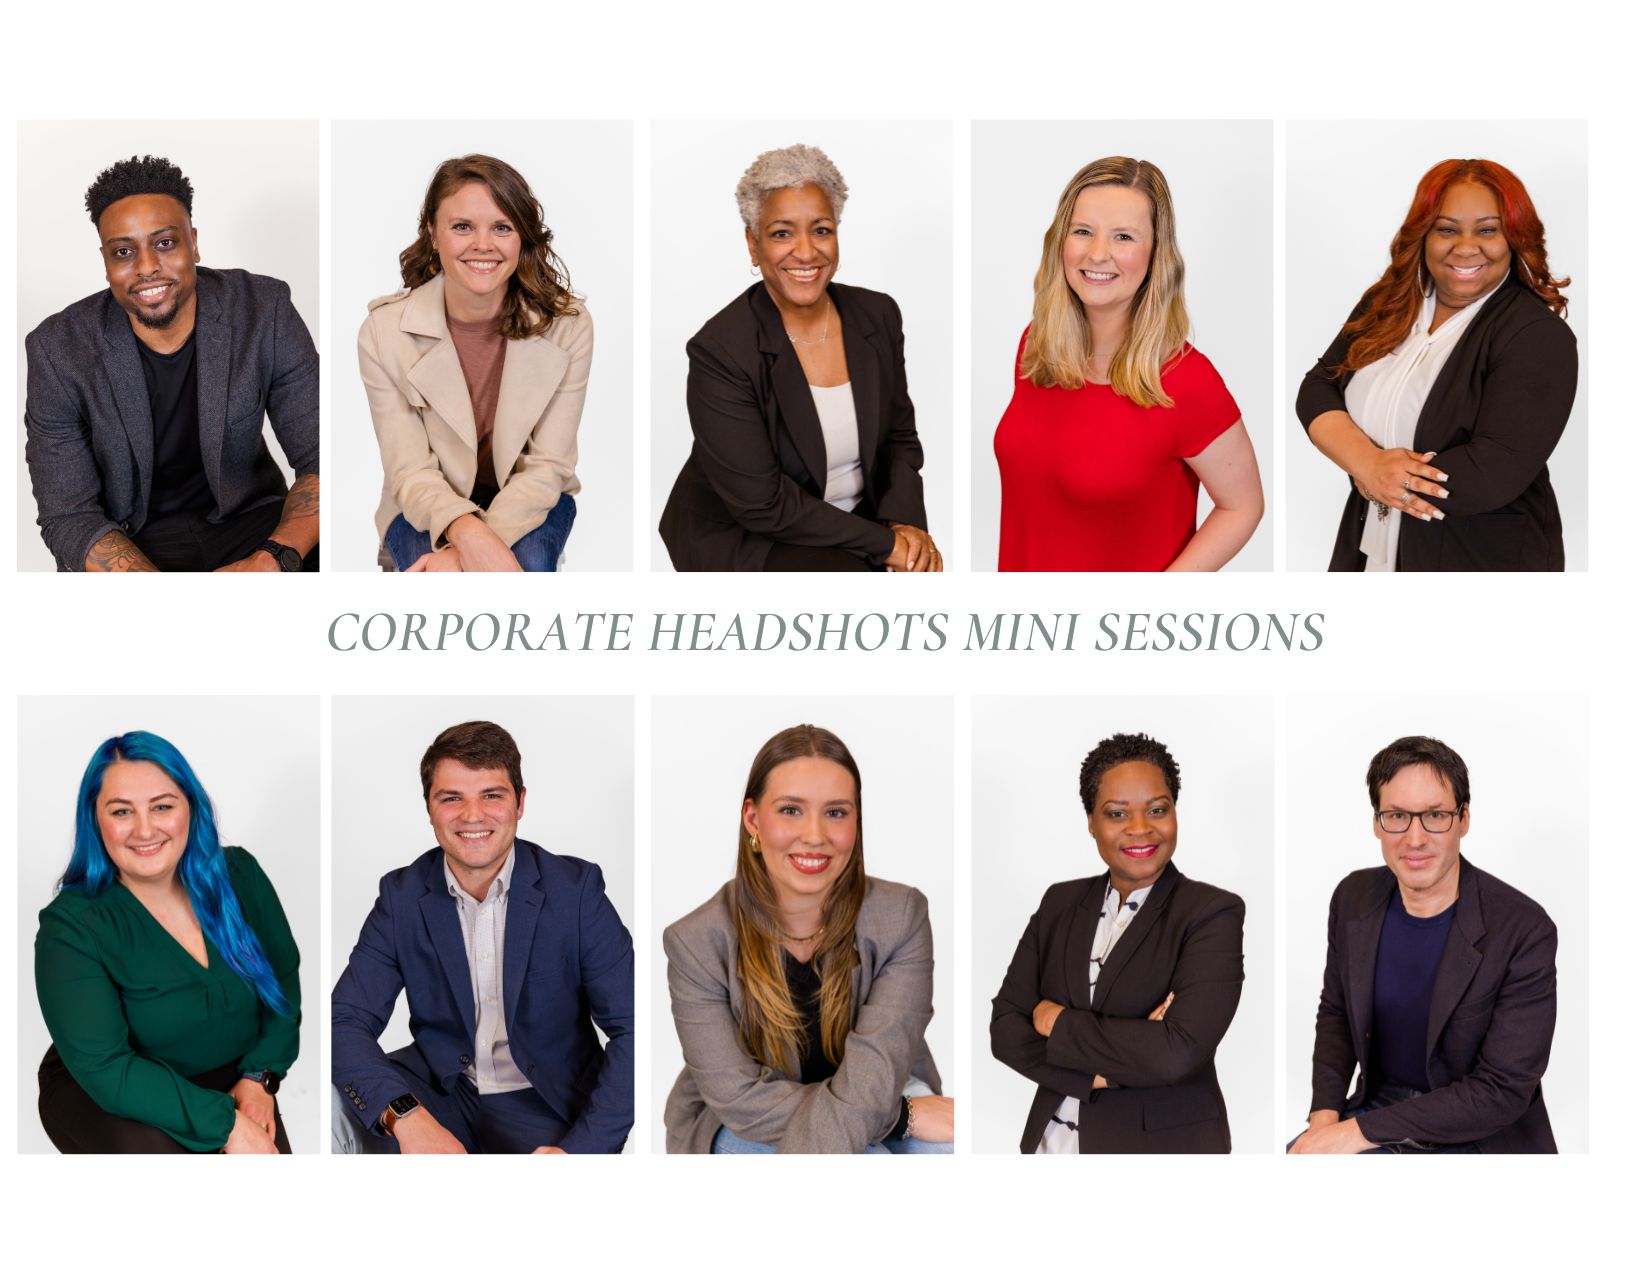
pixel 893 995
pixel 427 433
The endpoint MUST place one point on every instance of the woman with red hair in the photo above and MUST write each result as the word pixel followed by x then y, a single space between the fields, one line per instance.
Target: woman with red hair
pixel 1448 388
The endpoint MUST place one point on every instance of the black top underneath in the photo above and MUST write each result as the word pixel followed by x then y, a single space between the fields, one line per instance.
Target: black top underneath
pixel 804 981
pixel 179 481
pixel 1406 967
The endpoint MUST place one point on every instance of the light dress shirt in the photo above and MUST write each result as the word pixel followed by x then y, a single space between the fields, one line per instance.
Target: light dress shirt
pixel 844 479
pixel 1060 1138
pixel 1385 400
pixel 493 1069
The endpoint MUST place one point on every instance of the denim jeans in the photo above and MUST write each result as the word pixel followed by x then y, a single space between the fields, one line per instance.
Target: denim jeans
pixel 539 550
pixel 727 1142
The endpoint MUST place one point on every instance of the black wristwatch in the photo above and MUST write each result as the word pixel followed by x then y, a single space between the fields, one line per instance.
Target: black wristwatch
pixel 405 1105
pixel 268 1079
pixel 289 558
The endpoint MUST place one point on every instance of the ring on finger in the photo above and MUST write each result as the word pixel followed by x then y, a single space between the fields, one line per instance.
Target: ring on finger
pixel 1407 495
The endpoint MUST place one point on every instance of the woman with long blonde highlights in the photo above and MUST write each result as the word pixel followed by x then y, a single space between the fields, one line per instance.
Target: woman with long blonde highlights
pixel 1449 387
pixel 802 989
pixel 1116 421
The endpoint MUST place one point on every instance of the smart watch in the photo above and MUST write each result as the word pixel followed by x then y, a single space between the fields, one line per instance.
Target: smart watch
pixel 268 1079
pixel 405 1105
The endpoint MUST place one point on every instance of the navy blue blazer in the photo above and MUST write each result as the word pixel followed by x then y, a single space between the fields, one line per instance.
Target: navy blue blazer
pixel 568 968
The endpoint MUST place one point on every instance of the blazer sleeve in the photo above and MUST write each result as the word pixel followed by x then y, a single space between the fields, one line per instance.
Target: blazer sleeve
pixel 544 470
pixel 276 1047
pixel 1529 388
pixel 1321 389
pixel 1334 1055
pixel 900 455
pixel 420 490
pixel 1206 981
pixel 81 1005
pixel 294 404
pixel 731 446
pixel 1510 1064
pixel 361 1006
pixel 1013 1039
pixel 607 970
pixel 68 487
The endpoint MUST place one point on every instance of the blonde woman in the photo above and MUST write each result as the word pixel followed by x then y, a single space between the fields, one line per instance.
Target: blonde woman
pixel 802 989
pixel 1116 421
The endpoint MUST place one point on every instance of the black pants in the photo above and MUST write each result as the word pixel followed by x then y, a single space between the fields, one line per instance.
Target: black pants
pixel 188 542
pixel 78 1126
pixel 784 557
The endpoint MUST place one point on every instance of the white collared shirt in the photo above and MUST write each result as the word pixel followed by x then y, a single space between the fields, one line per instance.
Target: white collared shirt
pixel 1060 1137
pixel 491 1068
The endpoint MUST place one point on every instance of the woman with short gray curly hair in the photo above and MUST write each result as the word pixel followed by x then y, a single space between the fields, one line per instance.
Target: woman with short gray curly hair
pixel 805 454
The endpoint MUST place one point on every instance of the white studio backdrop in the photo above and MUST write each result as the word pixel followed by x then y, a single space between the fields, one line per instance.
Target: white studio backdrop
pixel 896 237
pixel 581 173
pixel 1030 832
pixel 702 753
pixel 1220 176
pixel 1531 819
pixel 1349 186
pixel 263 217
pixel 257 758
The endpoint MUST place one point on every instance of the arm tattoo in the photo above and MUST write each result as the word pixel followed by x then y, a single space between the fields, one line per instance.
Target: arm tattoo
pixel 304 500
pixel 114 552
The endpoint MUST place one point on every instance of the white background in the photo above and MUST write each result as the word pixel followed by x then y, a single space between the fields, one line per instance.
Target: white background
pixel 1030 832
pixel 263 218
pixel 1220 177
pixel 1531 816
pixel 896 237
pixel 702 752
pixel 1341 218
pixel 580 171
pixel 255 757
pixel 1486 636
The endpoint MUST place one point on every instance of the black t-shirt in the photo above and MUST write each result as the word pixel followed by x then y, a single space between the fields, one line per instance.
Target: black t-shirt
pixel 805 985
pixel 179 481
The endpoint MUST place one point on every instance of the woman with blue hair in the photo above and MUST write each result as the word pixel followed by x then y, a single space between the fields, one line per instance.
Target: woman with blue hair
pixel 167 974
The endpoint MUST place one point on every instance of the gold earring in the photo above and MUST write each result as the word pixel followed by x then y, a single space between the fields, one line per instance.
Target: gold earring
pixel 756 846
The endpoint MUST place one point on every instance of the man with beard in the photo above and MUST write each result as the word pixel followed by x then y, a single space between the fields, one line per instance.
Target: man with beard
pixel 146 402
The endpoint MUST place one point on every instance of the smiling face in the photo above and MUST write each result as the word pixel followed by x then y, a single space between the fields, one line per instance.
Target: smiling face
pixel 474 814
pixel 1108 246
pixel 478 245
pixel 1134 824
pixel 1467 252
pixel 795 245
pixel 806 822
pixel 143 818
pixel 1427 864
pixel 149 256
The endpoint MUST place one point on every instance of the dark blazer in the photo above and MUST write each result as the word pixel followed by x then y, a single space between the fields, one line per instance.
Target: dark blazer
pixel 1163 1094
pixel 1489 1030
pixel 91 443
pixel 1494 416
pixel 567 960
pixel 757 474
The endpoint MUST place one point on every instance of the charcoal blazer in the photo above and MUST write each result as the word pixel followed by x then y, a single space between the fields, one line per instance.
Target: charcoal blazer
pixel 1163 1094
pixel 1489 1029
pixel 757 472
pixel 91 442
pixel 1494 416
pixel 567 961
pixel 893 1000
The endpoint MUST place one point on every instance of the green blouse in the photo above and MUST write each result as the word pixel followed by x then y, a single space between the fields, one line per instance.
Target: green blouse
pixel 134 1015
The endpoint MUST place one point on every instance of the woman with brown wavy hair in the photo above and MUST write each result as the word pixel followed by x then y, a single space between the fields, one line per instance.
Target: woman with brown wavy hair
pixel 802 989
pixel 476 373
pixel 1449 386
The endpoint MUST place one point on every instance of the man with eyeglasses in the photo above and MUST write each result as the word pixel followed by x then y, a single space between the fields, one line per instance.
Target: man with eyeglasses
pixel 1440 987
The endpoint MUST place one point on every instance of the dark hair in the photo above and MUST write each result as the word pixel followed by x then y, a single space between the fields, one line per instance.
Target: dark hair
pixel 475 746
pixel 150 175
pixel 539 291
pixel 1114 752
pixel 1419 750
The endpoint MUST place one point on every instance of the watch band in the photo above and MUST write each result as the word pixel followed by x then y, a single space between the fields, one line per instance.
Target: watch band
pixel 286 556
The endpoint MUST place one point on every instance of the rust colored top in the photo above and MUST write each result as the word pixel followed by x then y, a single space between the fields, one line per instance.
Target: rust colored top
pixel 481 355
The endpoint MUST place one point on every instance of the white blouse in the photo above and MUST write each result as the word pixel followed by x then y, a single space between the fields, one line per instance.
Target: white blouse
pixel 1385 400
pixel 844 479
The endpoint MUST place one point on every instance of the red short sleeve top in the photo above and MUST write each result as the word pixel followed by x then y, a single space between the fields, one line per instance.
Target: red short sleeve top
pixel 1093 482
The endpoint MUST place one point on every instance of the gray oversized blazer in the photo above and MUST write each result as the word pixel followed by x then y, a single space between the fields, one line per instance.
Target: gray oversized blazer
pixel 893 996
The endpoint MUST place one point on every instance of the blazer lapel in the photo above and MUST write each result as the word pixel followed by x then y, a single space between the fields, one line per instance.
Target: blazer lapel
pixel 1363 941
pixel 1461 958
pixel 1151 911
pixel 213 342
pixel 520 927
pixel 798 416
pixel 130 391
pixel 533 370
pixel 438 375
pixel 1080 941
pixel 447 937
pixel 864 373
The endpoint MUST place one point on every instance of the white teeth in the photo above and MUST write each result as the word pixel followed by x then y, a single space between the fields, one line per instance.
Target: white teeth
pixel 1099 276
pixel 802 274
pixel 806 861
pixel 152 292
pixel 475 836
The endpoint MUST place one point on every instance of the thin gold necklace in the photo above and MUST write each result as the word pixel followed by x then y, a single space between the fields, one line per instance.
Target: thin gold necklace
pixel 794 340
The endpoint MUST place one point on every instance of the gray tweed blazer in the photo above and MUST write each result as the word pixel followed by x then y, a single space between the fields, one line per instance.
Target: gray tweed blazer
pixel 893 995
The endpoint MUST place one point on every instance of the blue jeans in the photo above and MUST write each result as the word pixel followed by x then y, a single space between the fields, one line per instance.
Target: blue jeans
pixel 539 550
pixel 728 1142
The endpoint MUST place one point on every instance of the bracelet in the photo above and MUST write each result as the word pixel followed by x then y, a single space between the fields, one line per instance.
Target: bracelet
pixel 910 1117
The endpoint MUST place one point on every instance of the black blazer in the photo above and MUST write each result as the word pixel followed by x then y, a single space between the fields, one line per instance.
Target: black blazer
pixel 1164 1095
pixel 91 444
pixel 756 474
pixel 1489 1030
pixel 1494 416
